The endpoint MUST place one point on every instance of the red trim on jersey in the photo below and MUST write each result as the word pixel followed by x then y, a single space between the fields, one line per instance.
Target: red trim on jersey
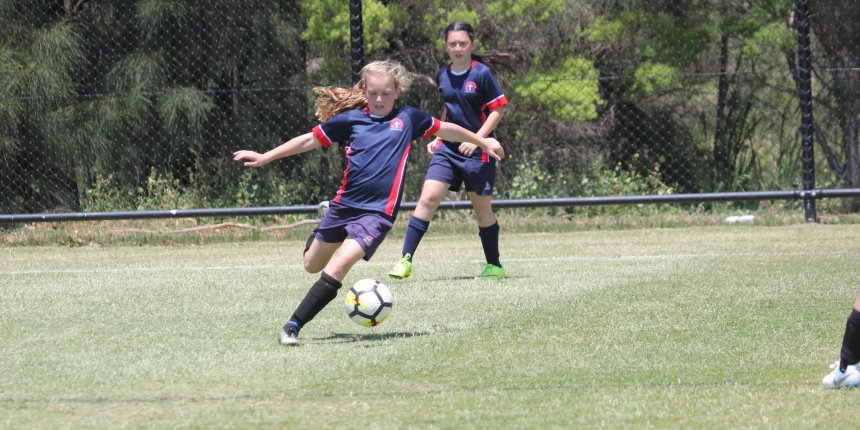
pixel 398 181
pixel 493 105
pixel 345 174
pixel 320 135
pixel 497 102
pixel 433 129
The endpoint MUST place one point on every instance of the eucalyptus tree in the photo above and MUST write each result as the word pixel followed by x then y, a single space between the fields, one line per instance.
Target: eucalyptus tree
pixel 836 49
pixel 40 58
pixel 121 89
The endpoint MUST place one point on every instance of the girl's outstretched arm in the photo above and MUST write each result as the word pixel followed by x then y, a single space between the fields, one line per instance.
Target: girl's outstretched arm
pixel 451 131
pixel 294 146
pixel 489 125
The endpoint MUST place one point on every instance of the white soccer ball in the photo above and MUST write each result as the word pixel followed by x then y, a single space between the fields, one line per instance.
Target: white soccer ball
pixel 368 302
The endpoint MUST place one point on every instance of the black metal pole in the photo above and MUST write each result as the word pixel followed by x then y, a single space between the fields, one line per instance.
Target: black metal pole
pixel 447 205
pixel 356 28
pixel 805 88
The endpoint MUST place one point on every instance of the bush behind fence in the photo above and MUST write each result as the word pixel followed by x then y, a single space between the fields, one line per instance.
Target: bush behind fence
pixel 138 104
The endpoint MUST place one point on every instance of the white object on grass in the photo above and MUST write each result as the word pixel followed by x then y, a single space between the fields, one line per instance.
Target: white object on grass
pixel 737 219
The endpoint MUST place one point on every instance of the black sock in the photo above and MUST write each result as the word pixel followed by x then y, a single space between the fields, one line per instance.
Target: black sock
pixel 490 242
pixel 851 341
pixel 292 325
pixel 321 293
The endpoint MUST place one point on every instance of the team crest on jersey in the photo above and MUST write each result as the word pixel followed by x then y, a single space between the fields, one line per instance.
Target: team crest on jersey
pixel 368 240
pixel 396 124
pixel 470 87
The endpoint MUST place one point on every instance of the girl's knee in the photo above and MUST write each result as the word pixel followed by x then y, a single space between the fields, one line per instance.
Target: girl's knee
pixel 312 266
pixel 430 201
pixel 485 217
pixel 426 209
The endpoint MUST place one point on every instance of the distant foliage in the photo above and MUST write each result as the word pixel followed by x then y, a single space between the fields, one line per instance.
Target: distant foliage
pixel 128 104
pixel 568 93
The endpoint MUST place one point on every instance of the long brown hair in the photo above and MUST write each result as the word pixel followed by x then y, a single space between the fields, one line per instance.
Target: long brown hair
pixel 334 100
pixel 496 61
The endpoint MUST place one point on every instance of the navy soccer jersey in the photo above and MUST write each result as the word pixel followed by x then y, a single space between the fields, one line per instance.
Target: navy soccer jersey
pixel 469 98
pixel 376 154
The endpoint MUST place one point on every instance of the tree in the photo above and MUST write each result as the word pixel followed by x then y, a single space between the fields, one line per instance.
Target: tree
pixel 834 25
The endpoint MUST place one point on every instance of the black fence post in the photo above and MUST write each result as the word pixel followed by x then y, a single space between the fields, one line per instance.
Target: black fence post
pixel 357 37
pixel 805 88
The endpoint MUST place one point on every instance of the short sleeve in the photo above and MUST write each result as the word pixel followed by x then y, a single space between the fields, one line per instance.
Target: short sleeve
pixel 423 125
pixel 494 96
pixel 336 129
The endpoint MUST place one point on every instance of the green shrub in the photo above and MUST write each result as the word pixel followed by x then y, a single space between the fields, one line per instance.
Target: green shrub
pixel 600 179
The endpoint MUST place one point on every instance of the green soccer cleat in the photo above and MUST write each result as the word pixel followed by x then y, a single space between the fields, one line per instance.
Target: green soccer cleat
pixel 492 272
pixel 402 269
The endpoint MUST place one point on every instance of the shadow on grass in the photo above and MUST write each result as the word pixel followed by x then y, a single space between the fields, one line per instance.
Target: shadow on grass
pixel 375 337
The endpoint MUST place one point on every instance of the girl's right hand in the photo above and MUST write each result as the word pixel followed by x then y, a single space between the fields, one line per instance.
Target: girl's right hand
pixel 255 159
pixel 431 147
pixel 494 148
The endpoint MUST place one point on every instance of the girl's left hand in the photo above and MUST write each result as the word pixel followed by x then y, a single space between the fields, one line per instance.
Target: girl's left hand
pixel 467 149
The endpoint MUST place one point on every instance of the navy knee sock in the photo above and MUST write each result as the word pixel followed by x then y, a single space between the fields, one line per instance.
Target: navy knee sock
pixel 490 242
pixel 321 293
pixel 851 341
pixel 414 233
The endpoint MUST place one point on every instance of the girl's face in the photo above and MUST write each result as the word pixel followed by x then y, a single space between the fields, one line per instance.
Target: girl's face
pixel 460 48
pixel 381 94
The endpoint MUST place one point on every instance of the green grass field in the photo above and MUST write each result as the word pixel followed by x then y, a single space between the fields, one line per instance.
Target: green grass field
pixel 702 327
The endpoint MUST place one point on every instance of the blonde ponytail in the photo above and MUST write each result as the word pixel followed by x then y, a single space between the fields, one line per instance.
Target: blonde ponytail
pixel 333 100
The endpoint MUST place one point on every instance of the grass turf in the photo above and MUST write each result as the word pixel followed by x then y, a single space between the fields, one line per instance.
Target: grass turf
pixel 724 326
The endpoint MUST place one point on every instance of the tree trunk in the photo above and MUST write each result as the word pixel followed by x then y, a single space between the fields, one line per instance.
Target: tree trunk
pixel 848 124
pixel 237 82
pixel 721 138
pixel 832 159
pixel 81 181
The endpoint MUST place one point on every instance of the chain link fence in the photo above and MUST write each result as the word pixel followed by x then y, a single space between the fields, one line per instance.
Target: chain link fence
pixel 138 104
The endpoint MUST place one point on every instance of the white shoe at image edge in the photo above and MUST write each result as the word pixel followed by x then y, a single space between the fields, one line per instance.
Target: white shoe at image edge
pixel 837 379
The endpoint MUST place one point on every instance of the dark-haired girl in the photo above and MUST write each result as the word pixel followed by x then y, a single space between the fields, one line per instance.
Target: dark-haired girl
pixel 475 101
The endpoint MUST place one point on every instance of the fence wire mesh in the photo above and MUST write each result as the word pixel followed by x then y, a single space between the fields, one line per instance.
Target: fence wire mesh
pixel 138 104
